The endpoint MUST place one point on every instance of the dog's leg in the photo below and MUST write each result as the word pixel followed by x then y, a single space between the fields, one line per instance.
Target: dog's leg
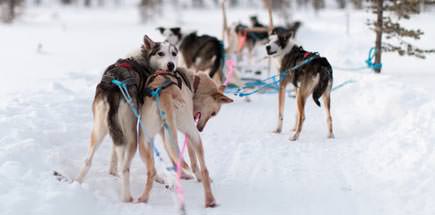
pixel 300 106
pixel 113 169
pixel 167 146
pixel 99 131
pixel 125 153
pixel 199 150
pixel 146 154
pixel 281 103
pixel 327 103
pixel 167 107
pixel 193 161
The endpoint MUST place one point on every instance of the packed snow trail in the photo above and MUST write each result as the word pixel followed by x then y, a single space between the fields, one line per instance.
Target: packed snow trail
pixel 381 162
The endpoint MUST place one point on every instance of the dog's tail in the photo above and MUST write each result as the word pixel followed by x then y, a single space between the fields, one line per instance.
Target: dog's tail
pixel 114 128
pixel 219 61
pixel 325 78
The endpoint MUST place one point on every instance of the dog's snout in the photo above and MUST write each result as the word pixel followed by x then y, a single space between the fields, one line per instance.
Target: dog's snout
pixel 171 66
pixel 268 48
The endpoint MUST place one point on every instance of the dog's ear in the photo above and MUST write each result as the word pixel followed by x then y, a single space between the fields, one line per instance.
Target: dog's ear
pixel 221 98
pixel 161 29
pixel 148 42
pixel 176 30
pixel 287 34
pixel 284 36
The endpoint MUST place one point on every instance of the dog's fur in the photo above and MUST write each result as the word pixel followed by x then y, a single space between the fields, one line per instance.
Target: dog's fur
pixel 112 114
pixel 203 99
pixel 202 53
pixel 314 78
pixel 254 39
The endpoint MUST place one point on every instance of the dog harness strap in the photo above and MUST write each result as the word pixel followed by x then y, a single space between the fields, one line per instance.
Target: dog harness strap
pixel 306 54
pixel 156 91
pixel 196 81
pixel 183 76
pixel 124 65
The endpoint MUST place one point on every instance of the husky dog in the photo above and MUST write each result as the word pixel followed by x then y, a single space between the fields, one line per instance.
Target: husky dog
pixel 201 53
pixel 253 39
pixel 203 99
pixel 313 78
pixel 112 114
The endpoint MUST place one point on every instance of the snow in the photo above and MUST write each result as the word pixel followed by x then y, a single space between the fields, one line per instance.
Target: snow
pixel 381 161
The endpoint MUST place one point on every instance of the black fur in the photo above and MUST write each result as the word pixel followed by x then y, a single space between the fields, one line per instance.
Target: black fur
pixel 256 24
pixel 135 77
pixel 205 47
pixel 318 66
pixel 291 29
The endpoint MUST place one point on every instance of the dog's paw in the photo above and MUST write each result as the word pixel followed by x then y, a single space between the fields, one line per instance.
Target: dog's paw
pixel 294 137
pixel 143 199
pixel 79 180
pixel 277 131
pixel 331 136
pixel 127 198
pixel 210 203
pixel 186 176
pixel 113 173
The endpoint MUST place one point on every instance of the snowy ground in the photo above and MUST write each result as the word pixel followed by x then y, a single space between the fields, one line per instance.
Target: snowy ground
pixel 381 162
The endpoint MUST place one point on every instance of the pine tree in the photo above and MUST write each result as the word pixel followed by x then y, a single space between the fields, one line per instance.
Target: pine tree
pixel 389 13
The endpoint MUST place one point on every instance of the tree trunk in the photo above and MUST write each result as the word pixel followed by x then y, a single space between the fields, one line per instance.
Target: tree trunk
pixel 379 24
pixel 12 5
pixel 87 3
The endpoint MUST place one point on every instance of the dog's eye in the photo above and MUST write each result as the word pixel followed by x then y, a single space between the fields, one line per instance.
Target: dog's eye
pixel 161 54
pixel 174 54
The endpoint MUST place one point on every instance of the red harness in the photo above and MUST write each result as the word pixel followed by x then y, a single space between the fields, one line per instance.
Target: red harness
pixel 124 65
pixel 306 54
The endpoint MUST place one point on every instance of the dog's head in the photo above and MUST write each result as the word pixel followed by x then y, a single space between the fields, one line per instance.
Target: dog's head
pixel 172 35
pixel 160 55
pixel 208 99
pixel 280 42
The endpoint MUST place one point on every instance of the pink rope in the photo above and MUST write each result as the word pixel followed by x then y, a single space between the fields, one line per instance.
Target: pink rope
pixel 230 64
pixel 178 188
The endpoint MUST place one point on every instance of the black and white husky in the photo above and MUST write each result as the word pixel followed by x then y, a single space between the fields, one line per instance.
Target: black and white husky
pixel 313 77
pixel 112 114
pixel 202 53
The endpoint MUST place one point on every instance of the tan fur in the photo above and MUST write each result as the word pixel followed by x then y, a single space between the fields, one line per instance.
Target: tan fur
pixel 124 153
pixel 304 90
pixel 210 99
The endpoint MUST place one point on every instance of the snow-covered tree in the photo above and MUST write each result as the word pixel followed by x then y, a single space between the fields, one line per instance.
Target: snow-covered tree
pixel 389 13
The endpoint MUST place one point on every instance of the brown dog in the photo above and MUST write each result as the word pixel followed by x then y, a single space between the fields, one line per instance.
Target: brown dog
pixel 112 113
pixel 313 77
pixel 203 99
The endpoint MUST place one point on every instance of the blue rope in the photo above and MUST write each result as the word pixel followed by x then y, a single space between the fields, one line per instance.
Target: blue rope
pixel 343 84
pixel 262 84
pixel 124 91
pixel 240 91
pixel 369 62
pixel 156 94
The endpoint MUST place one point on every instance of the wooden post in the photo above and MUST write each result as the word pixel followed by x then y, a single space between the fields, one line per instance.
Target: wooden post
pixel 379 29
pixel 269 10
pixel 268 4
pixel 225 21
